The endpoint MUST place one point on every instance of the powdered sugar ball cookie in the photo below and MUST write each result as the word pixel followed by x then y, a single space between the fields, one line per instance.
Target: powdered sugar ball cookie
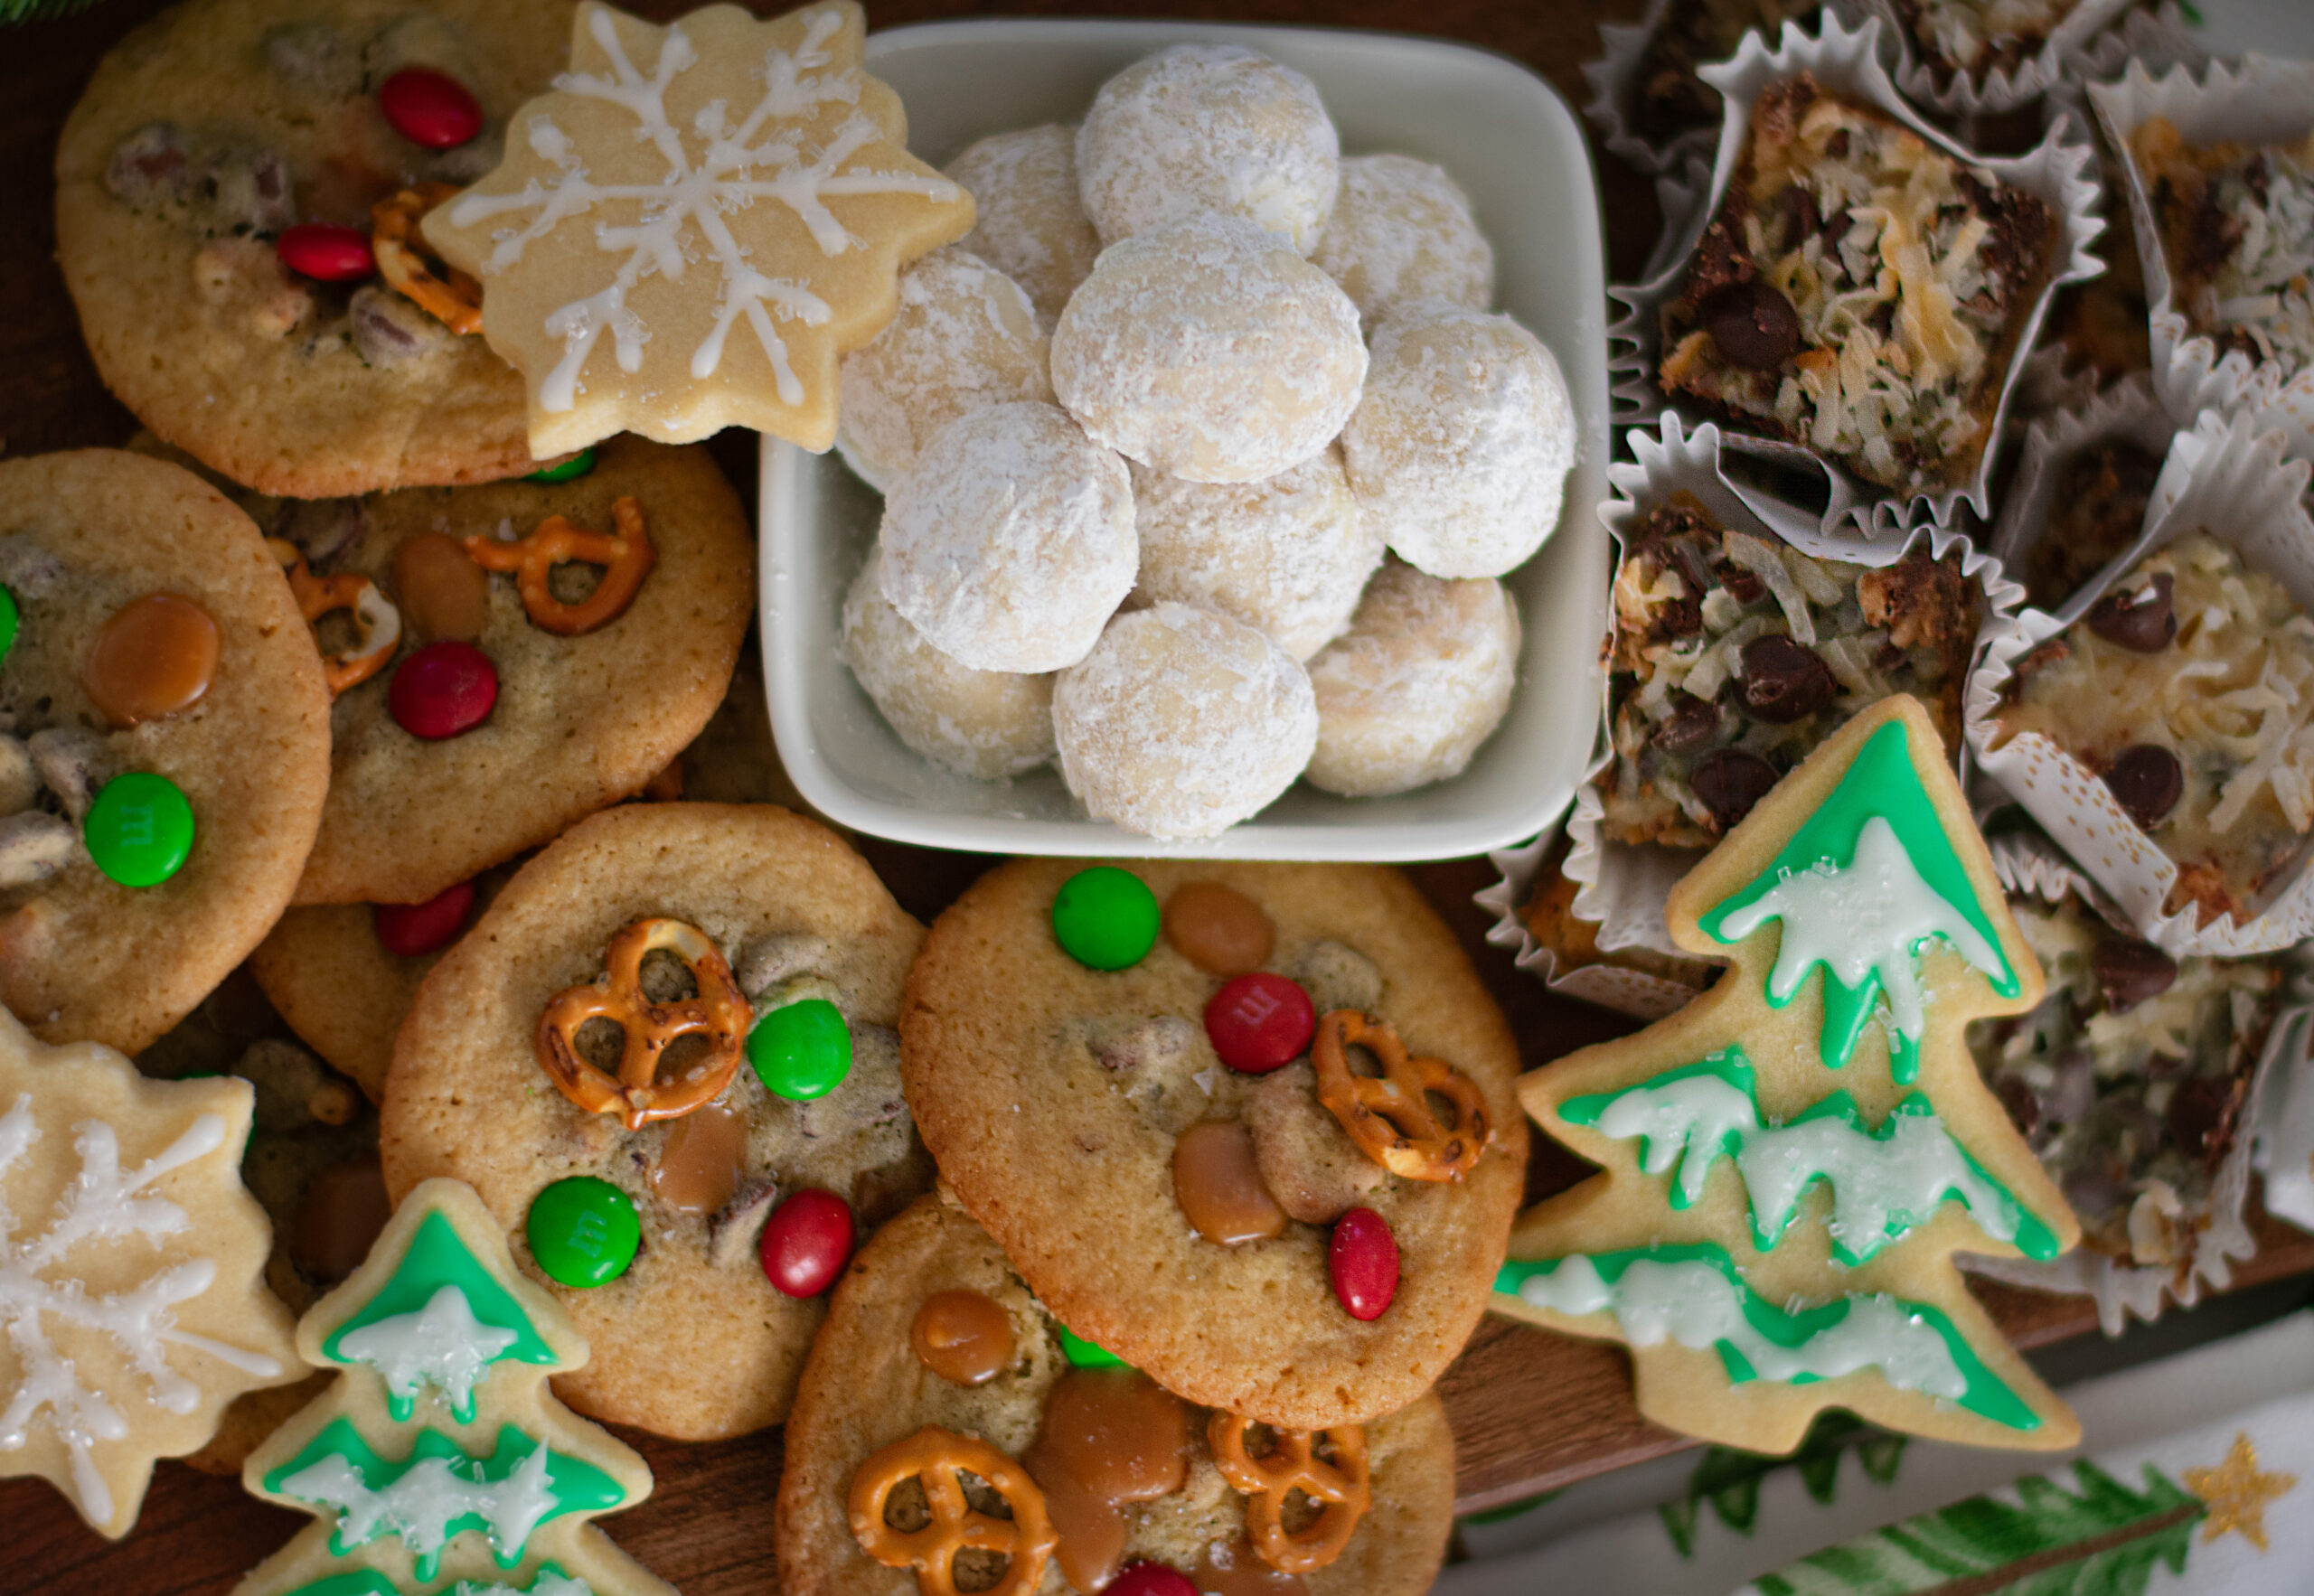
pixel 989 724
pixel 1287 555
pixel 1209 128
pixel 1462 444
pixel 965 336
pixel 1209 350
pixel 1409 693
pixel 1032 223
pixel 1010 543
pixel 1180 723
pixel 1402 230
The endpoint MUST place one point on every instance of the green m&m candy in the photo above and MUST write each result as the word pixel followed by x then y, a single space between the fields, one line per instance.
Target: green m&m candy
pixel 801 1050
pixel 578 465
pixel 1084 1355
pixel 1105 918
pixel 9 621
pixel 583 1231
pixel 139 831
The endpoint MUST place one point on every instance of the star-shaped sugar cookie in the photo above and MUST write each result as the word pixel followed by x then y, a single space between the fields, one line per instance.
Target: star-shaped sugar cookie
pixel 694 228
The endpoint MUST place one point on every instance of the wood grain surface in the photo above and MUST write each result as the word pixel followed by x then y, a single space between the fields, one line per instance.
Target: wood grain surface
pixel 1531 1411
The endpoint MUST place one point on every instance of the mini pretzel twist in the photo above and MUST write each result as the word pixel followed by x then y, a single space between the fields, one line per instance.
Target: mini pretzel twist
pixel 937 1456
pixel 1389 1118
pixel 1340 1487
pixel 377 624
pixel 455 301
pixel 720 1012
pixel 625 557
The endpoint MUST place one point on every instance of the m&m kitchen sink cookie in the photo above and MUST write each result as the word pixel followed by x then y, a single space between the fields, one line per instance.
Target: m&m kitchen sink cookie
pixel 1249 1127
pixel 508 658
pixel 936 1359
pixel 164 744
pixel 237 193
pixel 665 1057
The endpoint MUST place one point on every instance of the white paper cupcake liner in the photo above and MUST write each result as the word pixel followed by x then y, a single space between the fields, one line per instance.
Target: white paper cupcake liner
pixel 1847 61
pixel 1623 887
pixel 1999 89
pixel 2258 100
pixel 2224 476
pixel 2129 410
pixel 2030 864
pixel 2285 1153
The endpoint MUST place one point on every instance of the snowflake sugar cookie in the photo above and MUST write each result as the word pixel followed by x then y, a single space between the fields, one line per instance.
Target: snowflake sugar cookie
pixel 132 1303
pixel 693 228
pixel 439 1460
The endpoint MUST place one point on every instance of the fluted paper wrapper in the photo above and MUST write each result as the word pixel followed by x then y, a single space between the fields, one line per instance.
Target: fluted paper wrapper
pixel 1846 62
pixel 1623 887
pixel 2032 866
pixel 2129 411
pixel 2258 100
pixel 1996 88
pixel 2224 478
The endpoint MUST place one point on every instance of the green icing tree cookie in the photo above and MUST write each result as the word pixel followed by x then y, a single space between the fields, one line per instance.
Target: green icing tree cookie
pixel 1788 1163
pixel 439 1461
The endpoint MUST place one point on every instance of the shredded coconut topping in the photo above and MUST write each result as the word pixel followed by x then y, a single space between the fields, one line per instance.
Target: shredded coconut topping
pixel 1180 724
pixel 1463 443
pixel 1209 128
pixel 1209 350
pixel 1402 230
pixel 1010 543
pixel 1032 223
pixel 2238 227
pixel 1976 35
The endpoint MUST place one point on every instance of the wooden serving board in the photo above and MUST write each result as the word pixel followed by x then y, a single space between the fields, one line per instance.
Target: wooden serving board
pixel 1531 1411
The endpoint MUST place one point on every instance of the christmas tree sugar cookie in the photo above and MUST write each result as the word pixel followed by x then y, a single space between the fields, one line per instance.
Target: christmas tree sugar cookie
pixel 133 1307
pixel 665 1057
pixel 1789 1163
pixel 439 1458
pixel 935 1356
pixel 696 224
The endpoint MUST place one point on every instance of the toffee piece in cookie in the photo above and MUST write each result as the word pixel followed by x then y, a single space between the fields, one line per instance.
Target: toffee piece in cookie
pixel 511 657
pixel 235 193
pixel 937 1358
pixel 167 749
pixel 665 1058
pixel 1278 1089
pixel 1793 322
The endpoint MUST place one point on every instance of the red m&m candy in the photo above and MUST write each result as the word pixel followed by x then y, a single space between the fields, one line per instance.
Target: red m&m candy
pixel 326 252
pixel 1260 1021
pixel 430 107
pixel 442 689
pixel 409 930
pixel 1363 1263
pixel 1150 1578
pixel 807 1242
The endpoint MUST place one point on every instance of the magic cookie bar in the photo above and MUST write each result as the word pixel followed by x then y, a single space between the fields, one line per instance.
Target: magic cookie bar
pixel 1736 655
pixel 1860 292
pixel 2237 227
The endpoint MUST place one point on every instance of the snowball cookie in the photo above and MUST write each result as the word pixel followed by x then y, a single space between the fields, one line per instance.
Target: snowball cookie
pixel 1462 445
pixel 1209 128
pixel 1011 544
pixel 1402 230
pixel 1032 223
pixel 1287 555
pixel 1209 350
pixel 965 336
pixel 1421 678
pixel 989 724
pixel 1180 724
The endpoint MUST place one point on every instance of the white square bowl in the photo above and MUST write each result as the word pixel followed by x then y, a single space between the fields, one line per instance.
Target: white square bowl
pixel 1516 150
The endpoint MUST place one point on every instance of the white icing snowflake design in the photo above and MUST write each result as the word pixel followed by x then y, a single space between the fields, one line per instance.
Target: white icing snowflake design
pixel 442 1345
pixel 721 167
pixel 103 1202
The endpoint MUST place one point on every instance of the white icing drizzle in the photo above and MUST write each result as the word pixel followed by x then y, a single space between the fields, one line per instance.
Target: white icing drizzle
pixel 442 1345
pixel 1692 1303
pixel 102 1203
pixel 551 1581
pixel 729 172
pixel 420 1506
pixel 1860 921
pixel 1873 1180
